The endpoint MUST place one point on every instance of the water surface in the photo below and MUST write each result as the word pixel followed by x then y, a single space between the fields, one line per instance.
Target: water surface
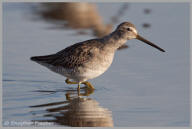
pixel 143 87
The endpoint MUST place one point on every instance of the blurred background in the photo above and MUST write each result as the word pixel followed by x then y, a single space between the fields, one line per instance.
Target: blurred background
pixel 143 87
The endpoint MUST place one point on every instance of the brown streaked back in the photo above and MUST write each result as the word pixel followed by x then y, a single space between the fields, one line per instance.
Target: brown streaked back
pixel 72 56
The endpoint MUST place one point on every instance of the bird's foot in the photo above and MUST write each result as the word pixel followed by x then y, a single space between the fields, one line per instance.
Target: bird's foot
pixel 89 85
pixel 70 82
pixel 86 83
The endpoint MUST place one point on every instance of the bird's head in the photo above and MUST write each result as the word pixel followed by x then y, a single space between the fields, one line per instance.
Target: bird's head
pixel 128 31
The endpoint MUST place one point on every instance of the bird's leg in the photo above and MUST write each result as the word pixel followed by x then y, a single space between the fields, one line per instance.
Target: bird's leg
pixel 78 88
pixel 89 85
pixel 69 82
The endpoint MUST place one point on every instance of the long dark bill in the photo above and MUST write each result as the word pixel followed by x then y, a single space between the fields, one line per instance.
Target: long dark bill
pixel 149 43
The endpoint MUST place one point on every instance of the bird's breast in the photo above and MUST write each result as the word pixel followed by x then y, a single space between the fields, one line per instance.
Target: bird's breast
pixel 97 65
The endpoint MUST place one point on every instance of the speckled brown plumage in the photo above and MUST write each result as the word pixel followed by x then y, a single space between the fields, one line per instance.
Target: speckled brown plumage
pixel 72 56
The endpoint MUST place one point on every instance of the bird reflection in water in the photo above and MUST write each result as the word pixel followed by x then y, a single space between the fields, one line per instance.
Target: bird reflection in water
pixel 77 111
pixel 80 16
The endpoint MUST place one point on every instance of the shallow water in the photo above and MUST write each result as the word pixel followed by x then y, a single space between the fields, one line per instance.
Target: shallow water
pixel 143 87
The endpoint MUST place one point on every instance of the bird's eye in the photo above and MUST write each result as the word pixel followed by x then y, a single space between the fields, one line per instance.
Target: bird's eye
pixel 129 29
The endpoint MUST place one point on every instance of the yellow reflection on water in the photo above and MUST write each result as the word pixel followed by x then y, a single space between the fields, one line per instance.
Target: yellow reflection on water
pixel 78 111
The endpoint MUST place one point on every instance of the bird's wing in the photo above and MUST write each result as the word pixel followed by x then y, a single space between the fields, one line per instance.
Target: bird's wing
pixel 72 56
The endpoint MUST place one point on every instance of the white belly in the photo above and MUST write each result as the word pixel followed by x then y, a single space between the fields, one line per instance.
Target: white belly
pixel 95 69
pixel 93 73
pixel 91 70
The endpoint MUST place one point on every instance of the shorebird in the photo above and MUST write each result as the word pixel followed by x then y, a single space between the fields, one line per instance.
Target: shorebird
pixel 91 58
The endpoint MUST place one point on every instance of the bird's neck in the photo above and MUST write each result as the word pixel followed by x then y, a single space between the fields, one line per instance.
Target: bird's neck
pixel 114 40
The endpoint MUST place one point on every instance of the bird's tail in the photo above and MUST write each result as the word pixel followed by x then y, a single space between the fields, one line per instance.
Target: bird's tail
pixel 44 59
